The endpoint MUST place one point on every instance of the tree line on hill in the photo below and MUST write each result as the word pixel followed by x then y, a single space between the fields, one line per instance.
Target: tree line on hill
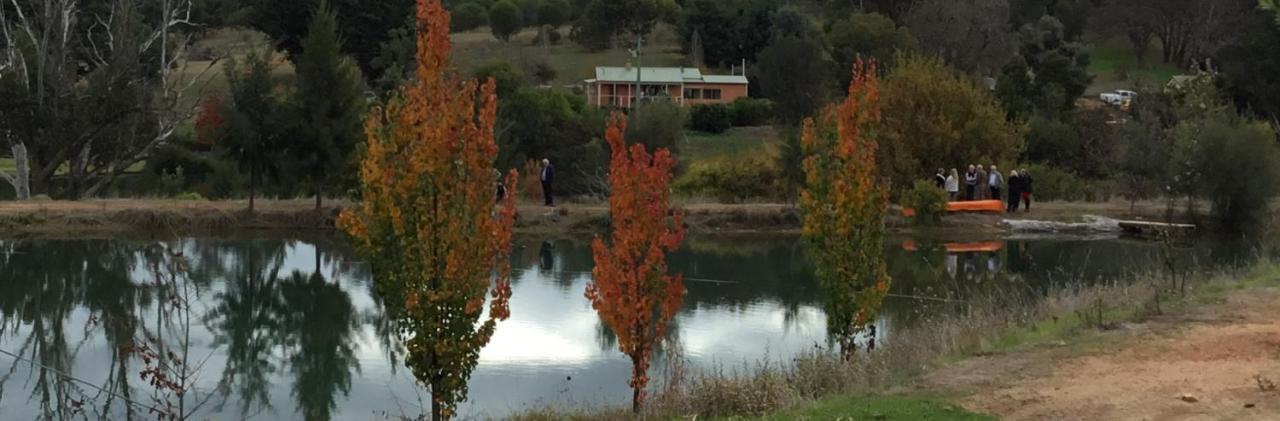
pixel 997 81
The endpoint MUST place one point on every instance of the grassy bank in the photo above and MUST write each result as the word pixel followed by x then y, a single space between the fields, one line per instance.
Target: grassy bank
pixel 120 216
pixel 886 384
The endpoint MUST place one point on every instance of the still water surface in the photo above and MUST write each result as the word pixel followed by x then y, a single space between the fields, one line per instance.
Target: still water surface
pixel 289 329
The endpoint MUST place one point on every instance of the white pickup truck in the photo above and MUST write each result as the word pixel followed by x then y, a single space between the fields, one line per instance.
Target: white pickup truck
pixel 1119 97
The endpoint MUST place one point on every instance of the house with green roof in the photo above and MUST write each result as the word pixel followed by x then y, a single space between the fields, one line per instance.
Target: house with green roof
pixel 616 87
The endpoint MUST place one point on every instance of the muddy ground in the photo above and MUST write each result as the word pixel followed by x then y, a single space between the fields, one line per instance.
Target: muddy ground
pixel 1215 362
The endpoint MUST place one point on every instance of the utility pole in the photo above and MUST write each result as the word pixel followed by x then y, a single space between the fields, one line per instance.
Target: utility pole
pixel 639 71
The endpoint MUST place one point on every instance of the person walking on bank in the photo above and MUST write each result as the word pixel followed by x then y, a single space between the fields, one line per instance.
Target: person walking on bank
pixel 980 190
pixel 996 182
pixel 940 179
pixel 970 181
pixel 1026 191
pixel 952 184
pixel 548 175
pixel 502 188
pixel 1015 192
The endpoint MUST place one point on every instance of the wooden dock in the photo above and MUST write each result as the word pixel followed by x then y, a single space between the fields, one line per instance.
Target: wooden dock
pixel 1155 228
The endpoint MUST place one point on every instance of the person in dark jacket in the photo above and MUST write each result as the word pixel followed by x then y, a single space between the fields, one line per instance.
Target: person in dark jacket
pixel 970 182
pixel 940 178
pixel 1015 192
pixel 499 186
pixel 547 177
pixel 1026 190
pixel 980 191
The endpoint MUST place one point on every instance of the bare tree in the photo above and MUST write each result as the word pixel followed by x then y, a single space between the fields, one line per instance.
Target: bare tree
pixel 973 35
pixel 1130 19
pixel 94 87
pixel 1187 30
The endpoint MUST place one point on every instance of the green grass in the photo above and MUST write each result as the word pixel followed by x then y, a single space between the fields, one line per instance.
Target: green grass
pixel 878 408
pixel 1108 56
pixel 1263 275
pixel 735 142
pixel 571 62
pixel 1072 330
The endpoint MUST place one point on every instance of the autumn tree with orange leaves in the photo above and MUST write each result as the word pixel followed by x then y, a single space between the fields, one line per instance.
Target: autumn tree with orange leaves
pixel 631 289
pixel 426 220
pixel 844 205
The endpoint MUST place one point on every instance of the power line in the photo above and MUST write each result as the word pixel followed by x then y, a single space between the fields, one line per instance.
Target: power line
pixel 77 380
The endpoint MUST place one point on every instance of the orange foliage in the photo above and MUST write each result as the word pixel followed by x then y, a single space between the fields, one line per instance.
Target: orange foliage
pixel 209 120
pixel 533 183
pixel 844 206
pixel 426 220
pixel 631 290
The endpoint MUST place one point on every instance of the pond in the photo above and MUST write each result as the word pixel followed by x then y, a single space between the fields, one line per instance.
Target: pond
pixel 289 329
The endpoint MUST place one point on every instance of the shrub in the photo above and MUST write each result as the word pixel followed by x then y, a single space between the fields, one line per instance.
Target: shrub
pixel 731 180
pixel 468 16
pixel 928 201
pixel 507 76
pixel 554 13
pixel 505 20
pixel 936 117
pixel 188 196
pixel 657 124
pixel 751 111
pixel 543 73
pixel 711 118
pixel 753 393
pixel 1232 162
pixel 1053 184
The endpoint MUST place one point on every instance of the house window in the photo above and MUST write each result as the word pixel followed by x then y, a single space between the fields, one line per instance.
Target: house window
pixel 711 94
pixel 692 93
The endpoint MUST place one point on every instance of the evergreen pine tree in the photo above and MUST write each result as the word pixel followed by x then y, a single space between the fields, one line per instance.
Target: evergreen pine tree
pixel 253 129
pixel 329 102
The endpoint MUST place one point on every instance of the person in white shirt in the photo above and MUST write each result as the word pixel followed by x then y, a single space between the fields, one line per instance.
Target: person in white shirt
pixel 995 182
pixel 953 185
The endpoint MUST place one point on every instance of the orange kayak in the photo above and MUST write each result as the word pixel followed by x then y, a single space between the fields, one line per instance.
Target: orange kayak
pixel 986 246
pixel 974 247
pixel 994 206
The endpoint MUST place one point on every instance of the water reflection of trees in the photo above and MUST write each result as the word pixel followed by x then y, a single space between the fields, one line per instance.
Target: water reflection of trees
pixel 136 296
pixel 319 326
pixel 304 317
pixel 144 301
pixel 734 276
pixel 735 273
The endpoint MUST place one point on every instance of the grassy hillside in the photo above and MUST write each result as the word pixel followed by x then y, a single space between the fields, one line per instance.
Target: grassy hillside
pixel 571 62
pixel 1114 66
pixel 736 142
pixel 210 56
pixel 471 49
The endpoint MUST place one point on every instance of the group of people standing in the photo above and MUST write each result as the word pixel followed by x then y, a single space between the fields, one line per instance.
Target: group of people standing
pixel 983 184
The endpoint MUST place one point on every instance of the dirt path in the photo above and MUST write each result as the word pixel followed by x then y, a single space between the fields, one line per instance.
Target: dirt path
pixel 1220 357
